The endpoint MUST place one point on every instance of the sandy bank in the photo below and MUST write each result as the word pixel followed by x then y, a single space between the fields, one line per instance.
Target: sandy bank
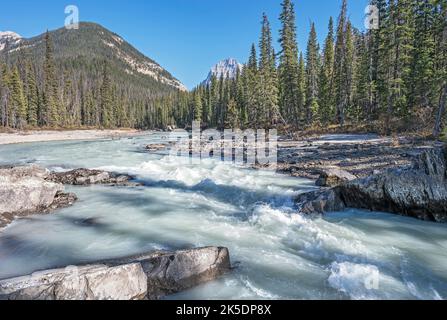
pixel 42 136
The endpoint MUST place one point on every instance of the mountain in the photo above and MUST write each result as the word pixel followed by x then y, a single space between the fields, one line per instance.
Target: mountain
pixel 9 38
pixel 90 44
pixel 227 68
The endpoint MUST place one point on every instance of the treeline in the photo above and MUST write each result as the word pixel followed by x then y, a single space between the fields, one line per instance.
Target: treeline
pixel 392 78
pixel 72 93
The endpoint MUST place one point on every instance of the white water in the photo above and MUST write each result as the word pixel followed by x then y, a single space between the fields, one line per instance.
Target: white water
pixel 277 253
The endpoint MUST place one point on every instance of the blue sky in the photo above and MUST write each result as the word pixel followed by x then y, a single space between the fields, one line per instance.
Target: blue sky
pixel 186 37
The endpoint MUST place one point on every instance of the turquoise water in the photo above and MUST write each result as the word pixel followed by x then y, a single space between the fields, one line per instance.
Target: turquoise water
pixel 277 253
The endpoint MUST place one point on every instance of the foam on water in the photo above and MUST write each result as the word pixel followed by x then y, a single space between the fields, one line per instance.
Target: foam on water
pixel 276 252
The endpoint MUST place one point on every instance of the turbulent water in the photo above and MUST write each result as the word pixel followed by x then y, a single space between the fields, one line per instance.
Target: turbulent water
pixel 277 254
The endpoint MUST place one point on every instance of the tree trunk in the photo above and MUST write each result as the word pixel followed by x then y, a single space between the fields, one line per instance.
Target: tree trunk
pixel 441 110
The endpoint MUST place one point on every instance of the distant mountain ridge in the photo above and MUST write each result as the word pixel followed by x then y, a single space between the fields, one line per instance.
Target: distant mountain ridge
pixel 227 68
pixel 93 42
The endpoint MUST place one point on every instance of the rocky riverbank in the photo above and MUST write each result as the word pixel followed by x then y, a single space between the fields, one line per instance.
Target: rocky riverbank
pixel 419 190
pixel 147 276
pixel 25 191
pixel 30 190
pixel 359 155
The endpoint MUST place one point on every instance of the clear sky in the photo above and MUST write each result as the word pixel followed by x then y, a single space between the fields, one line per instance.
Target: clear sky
pixel 186 37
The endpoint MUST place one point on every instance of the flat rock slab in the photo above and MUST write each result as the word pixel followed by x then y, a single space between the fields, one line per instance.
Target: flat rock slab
pixel 25 191
pixel 146 276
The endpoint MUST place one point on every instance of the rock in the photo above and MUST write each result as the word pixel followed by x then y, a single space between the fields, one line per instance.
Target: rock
pixel 320 201
pixel 94 282
pixel 333 177
pixel 419 191
pixel 83 177
pixel 24 191
pixel 150 276
pixel 171 273
pixel 155 147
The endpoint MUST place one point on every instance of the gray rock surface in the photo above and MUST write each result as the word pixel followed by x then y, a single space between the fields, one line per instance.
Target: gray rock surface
pixel 25 191
pixel 419 191
pixel 83 177
pixel 332 177
pixel 93 282
pixel 146 276
pixel 320 201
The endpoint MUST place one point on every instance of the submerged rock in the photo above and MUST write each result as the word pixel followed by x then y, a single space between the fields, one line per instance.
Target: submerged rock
pixel 147 276
pixel 419 192
pixel 25 191
pixel 156 147
pixel 83 177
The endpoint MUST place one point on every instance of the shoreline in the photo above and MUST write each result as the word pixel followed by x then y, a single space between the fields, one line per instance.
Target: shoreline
pixel 31 136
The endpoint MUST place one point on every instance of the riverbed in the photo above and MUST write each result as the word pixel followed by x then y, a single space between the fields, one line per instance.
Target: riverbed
pixel 276 253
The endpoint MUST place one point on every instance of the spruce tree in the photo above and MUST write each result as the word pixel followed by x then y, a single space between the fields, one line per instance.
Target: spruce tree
pixel 268 110
pixel 289 84
pixel 340 66
pixel 32 95
pixel 51 112
pixel 18 100
pixel 312 70
pixel 326 99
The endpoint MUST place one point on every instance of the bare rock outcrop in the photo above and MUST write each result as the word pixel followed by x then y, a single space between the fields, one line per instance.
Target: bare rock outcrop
pixel 147 276
pixel 419 191
pixel 25 191
pixel 332 177
pixel 84 177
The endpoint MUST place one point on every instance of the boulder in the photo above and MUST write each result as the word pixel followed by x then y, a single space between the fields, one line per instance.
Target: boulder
pixel 24 191
pixel 171 273
pixel 155 147
pixel 83 177
pixel 146 276
pixel 333 177
pixel 320 201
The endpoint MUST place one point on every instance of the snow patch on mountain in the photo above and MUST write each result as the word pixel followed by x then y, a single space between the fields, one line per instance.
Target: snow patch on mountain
pixel 227 68
pixel 9 38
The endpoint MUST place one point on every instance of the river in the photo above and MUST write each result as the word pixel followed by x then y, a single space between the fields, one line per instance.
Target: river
pixel 277 254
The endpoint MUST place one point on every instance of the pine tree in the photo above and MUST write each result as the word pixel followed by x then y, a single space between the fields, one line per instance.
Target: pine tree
pixel 32 95
pixel 106 98
pixel 340 67
pixel 197 106
pixel 252 89
pixel 268 109
pixel 51 113
pixel 312 70
pixel 18 100
pixel 423 71
pixel 349 69
pixel 289 86
pixel 232 116
pixel 326 100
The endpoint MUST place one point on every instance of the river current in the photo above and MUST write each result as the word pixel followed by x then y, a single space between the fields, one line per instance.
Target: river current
pixel 276 253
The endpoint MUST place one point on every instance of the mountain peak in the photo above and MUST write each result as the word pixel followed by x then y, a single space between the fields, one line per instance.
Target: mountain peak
pixel 7 38
pixel 227 68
